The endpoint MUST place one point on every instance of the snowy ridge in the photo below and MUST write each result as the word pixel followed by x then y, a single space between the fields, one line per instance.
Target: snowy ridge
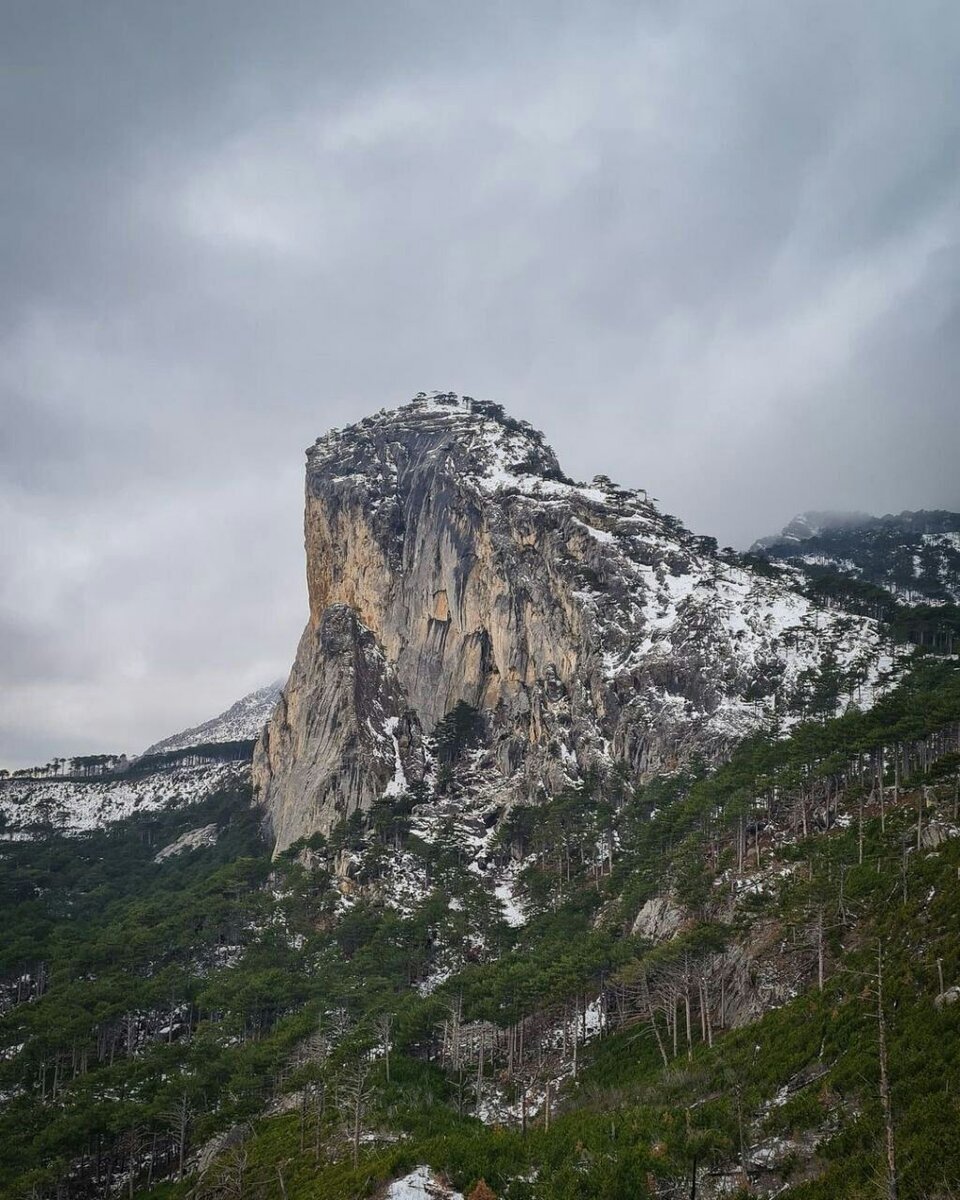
pixel 32 808
pixel 812 524
pixel 242 721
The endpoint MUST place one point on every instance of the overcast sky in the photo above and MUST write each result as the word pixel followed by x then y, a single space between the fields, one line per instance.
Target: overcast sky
pixel 709 248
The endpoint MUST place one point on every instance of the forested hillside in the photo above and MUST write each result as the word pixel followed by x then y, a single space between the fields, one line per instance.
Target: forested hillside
pixel 733 979
pixel 913 556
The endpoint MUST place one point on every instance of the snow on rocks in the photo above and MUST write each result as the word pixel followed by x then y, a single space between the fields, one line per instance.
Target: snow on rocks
pixel 398 784
pixel 193 839
pixel 513 913
pixel 421 1184
pixel 240 722
pixel 590 628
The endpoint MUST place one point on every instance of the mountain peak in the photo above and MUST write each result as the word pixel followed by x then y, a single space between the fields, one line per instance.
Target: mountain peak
pixel 913 555
pixel 477 439
pixel 811 524
pixel 450 562
pixel 242 721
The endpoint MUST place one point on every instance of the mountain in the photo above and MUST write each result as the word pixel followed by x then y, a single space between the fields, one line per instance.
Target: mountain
pixel 32 809
pixel 450 562
pixel 915 556
pixel 578 861
pixel 811 524
pixel 242 721
pixel 75 796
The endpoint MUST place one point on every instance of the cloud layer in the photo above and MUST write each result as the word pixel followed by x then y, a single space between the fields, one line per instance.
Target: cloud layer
pixel 710 249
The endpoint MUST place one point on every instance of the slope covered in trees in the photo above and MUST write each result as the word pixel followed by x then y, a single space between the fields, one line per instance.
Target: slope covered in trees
pixel 914 556
pixel 690 999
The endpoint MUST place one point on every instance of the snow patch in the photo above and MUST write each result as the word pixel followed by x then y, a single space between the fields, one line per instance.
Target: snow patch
pixel 420 1184
pixel 193 839
pixel 33 808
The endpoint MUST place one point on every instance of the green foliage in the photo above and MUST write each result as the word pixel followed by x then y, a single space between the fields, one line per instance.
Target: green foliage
pixel 199 985
pixel 461 729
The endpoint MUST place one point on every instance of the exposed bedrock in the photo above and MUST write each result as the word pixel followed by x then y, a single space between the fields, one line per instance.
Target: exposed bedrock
pixel 448 559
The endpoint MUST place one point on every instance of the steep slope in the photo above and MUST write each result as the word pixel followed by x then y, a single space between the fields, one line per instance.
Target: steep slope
pixel 586 627
pixel 242 720
pixel 913 555
pixel 268 1036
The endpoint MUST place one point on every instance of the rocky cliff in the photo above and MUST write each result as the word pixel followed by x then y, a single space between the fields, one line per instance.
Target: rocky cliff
pixel 450 560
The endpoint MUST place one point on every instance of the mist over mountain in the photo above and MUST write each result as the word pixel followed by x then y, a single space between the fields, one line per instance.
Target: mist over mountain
pixel 911 555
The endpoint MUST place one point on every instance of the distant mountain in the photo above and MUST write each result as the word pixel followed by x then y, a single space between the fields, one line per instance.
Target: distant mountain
pixel 79 795
pixel 811 524
pixel 913 555
pixel 241 721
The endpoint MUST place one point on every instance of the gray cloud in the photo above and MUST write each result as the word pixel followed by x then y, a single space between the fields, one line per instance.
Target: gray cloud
pixel 709 249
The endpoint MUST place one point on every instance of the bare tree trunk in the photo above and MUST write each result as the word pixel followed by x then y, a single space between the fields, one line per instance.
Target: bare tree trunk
pixel 885 1084
pixel 896 772
pixel 706 1008
pixel 686 1008
pixel 480 1069
pixel 576 1016
pixel 820 949
pixel 921 805
pixel 742 1139
pixel 653 1022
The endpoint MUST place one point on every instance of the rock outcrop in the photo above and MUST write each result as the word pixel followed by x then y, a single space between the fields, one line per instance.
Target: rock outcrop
pixel 449 560
pixel 340 736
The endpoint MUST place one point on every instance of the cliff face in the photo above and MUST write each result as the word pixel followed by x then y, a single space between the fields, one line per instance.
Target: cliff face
pixel 449 559
pixel 340 736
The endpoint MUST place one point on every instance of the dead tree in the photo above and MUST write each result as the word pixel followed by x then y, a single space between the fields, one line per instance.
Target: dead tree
pixel 384 1026
pixel 885 1101
pixel 355 1092
pixel 178 1118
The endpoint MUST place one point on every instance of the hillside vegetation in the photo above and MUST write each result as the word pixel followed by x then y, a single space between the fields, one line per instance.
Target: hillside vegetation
pixel 793 905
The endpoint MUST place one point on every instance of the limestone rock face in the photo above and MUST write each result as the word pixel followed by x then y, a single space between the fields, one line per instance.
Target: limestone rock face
pixel 659 919
pixel 340 736
pixel 449 559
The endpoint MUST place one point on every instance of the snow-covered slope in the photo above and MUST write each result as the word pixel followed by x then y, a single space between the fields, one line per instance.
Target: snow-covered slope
pixel 913 555
pixel 241 721
pixel 30 808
